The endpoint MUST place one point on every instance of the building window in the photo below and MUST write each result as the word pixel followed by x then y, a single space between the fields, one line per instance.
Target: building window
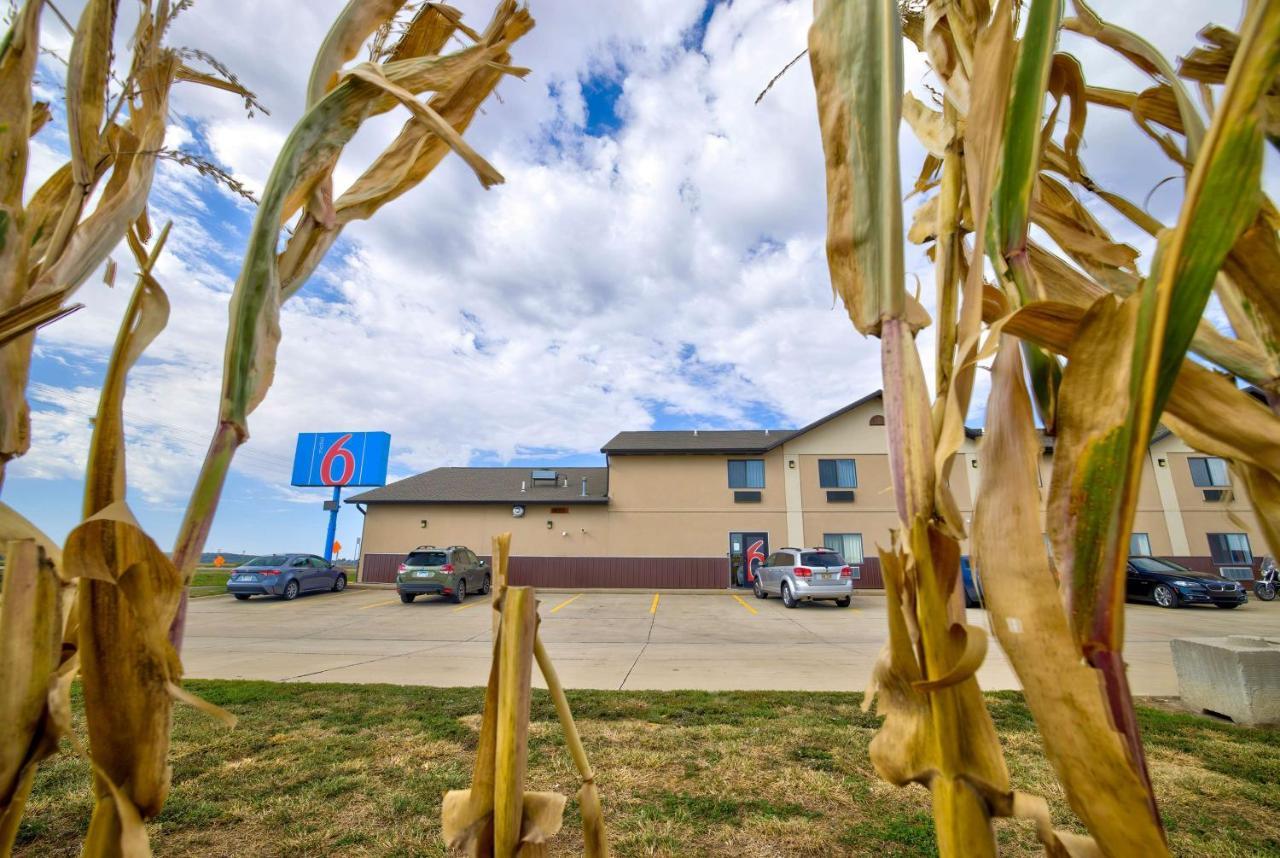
pixel 746 473
pixel 848 544
pixel 837 474
pixel 877 420
pixel 1139 545
pixel 1230 547
pixel 1208 471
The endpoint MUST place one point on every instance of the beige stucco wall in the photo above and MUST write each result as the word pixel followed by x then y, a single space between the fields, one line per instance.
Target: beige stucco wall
pixel 682 506
pixel 397 528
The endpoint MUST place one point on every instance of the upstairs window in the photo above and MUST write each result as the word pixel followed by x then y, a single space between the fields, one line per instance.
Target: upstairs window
pixel 1230 547
pixel 1208 472
pixel 837 474
pixel 746 473
pixel 1139 545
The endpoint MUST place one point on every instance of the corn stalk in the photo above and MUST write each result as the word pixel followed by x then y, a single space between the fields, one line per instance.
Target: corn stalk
pixel 497 816
pixel 997 162
pixel 340 100
pixel 51 245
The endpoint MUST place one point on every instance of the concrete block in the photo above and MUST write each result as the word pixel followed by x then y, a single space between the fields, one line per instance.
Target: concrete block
pixel 1236 676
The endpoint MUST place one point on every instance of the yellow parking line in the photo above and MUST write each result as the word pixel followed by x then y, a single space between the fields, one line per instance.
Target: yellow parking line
pixel 379 604
pixel 744 604
pixel 565 602
pixel 471 604
pixel 653 609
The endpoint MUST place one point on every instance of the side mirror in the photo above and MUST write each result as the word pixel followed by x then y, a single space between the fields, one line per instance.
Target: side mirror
pixel 482 563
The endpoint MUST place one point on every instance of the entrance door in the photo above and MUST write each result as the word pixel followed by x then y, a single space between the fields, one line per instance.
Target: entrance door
pixel 747 553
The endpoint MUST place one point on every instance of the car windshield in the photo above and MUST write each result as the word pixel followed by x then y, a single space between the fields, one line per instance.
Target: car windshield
pixel 426 558
pixel 267 560
pixel 821 558
pixel 1150 564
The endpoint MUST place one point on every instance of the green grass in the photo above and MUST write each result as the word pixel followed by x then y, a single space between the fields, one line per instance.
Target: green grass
pixel 209 581
pixel 360 770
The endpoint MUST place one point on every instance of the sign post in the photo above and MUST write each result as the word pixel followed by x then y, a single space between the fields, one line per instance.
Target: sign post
pixel 340 459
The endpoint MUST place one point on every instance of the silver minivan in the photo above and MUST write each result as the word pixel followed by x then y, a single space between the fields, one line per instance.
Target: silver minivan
pixel 806 574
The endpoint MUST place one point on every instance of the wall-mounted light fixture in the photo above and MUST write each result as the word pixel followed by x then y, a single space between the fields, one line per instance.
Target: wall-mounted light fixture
pixel 424 523
pixel 791 463
pixel 1162 463
pixel 973 463
pixel 550 524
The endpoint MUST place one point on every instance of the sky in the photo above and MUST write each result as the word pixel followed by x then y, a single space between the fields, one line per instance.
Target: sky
pixel 653 261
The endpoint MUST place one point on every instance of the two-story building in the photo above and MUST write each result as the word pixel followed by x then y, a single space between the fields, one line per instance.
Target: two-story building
pixel 690 508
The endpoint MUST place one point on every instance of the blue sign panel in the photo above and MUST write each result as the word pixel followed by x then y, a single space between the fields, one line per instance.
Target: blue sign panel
pixel 341 459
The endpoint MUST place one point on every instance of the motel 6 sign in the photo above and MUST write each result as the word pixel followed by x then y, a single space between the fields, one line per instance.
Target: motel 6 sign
pixel 341 459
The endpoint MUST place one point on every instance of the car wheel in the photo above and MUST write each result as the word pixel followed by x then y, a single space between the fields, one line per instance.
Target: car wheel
pixel 243 597
pixel 339 583
pixel 845 602
pixel 484 588
pixel 291 591
pixel 1165 596
pixel 460 592
pixel 408 597
pixel 787 599
pixel 758 590
pixel 1229 607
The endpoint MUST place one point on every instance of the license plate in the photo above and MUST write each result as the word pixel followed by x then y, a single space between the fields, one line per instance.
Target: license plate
pixel 826 576
pixel 425 574
pixel 246 578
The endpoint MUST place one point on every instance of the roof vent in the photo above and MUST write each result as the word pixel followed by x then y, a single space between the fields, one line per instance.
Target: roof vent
pixel 584 487
pixel 766 431
pixel 565 484
pixel 695 433
pixel 544 477
pixel 522 487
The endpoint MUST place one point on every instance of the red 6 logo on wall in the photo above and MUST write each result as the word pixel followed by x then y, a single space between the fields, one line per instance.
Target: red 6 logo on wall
pixel 752 560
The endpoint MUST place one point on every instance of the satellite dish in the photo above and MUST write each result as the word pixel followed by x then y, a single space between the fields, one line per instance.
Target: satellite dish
pixel 517 511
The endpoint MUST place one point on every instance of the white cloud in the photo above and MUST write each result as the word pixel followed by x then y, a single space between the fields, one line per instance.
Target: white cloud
pixel 677 264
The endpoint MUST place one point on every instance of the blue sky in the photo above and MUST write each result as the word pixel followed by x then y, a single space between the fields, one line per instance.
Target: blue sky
pixel 654 260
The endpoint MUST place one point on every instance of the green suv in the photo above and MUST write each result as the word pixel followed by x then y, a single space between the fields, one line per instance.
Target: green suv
pixel 454 571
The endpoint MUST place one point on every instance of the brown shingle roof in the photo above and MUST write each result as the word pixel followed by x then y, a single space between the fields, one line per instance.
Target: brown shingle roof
pixel 726 441
pixel 699 441
pixel 492 485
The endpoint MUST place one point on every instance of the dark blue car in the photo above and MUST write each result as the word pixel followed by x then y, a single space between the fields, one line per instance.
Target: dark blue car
pixel 972 586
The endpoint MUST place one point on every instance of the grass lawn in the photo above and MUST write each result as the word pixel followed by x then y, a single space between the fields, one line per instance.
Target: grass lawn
pixel 209 581
pixel 360 770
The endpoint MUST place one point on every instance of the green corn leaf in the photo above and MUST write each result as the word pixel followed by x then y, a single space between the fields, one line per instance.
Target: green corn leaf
pixel 1020 159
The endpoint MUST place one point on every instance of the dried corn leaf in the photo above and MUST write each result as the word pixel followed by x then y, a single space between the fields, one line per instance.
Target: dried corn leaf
pixel 927 124
pixel 357 22
pixel 88 68
pixel 30 650
pixel 1142 54
pixel 128 595
pixel 1021 592
pixel 18 52
pixel 855 52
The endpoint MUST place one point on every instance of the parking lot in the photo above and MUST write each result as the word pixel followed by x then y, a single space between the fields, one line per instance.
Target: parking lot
pixel 621 640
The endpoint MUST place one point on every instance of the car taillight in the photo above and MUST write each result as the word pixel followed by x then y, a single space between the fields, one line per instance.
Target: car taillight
pixel 804 572
pixel 846 572
pixel 448 567
pixel 272 572
pixel 401 569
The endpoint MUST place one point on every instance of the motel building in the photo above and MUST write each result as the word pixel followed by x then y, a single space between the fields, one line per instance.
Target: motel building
pixel 686 509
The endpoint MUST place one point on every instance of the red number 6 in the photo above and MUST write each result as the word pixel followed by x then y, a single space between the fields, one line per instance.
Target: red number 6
pixel 337 451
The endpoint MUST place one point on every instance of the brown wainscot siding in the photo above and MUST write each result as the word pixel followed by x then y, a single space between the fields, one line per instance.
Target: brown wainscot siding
pixel 665 573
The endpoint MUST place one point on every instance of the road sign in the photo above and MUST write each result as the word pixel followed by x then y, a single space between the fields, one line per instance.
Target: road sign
pixel 337 546
pixel 219 561
pixel 341 459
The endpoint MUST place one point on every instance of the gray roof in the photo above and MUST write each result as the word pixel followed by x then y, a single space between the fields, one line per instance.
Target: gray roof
pixel 726 441
pixel 492 485
pixel 698 441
